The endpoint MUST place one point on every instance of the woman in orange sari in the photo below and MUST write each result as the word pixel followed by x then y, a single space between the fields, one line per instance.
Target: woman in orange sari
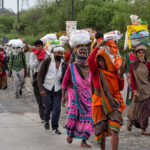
pixel 107 101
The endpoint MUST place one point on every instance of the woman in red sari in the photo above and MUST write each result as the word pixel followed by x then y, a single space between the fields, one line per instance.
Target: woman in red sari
pixel 3 77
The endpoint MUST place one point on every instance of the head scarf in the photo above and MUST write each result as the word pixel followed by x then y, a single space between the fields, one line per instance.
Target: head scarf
pixel 110 66
pixel 58 49
pixel 140 47
pixel 81 63
pixel 40 53
pixel 81 60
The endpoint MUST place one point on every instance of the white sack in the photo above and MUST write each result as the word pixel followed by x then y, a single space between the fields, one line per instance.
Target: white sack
pixel 51 37
pixel 113 35
pixel 64 40
pixel 79 37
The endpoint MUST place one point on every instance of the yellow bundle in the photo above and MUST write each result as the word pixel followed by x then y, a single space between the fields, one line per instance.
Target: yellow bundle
pixel 135 28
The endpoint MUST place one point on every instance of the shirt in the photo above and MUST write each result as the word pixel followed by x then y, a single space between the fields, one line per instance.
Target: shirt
pixel 35 64
pixel 53 76
pixel 17 62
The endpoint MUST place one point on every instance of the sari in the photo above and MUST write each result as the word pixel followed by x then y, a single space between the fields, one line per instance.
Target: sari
pixel 108 107
pixel 3 76
pixel 80 122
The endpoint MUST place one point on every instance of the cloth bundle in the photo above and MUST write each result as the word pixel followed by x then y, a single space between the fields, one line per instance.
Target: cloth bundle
pixel 64 40
pixel 79 37
pixel 112 50
pixel 113 35
pixel 137 33
pixel 51 37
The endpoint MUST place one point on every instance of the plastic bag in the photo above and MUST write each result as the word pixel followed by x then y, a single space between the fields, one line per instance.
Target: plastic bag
pixel 138 33
pixel 134 42
pixel 79 37
pixel 134 18
pixel 51 37
pixel 64 40
pixel 18 43
pixel 126 42
pixel 113 35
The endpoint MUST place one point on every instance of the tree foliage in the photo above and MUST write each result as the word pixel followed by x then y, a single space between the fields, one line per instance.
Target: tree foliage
pixel 102 15
pixel 6 23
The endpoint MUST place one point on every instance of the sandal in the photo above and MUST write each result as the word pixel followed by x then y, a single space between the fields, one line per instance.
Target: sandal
pixel 69 139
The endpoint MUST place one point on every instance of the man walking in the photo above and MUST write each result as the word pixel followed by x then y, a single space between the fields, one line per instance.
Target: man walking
pixel 49 81
pixel 37 57
pixel 17 66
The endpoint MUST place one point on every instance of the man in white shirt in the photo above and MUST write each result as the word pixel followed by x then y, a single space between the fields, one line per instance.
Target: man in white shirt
pixel 37 57
pixel 50 77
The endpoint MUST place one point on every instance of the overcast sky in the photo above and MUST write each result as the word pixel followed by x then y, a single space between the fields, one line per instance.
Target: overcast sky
pixel 12 4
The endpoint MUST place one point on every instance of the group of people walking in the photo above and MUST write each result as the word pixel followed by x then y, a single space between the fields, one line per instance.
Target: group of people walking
pixel 89 83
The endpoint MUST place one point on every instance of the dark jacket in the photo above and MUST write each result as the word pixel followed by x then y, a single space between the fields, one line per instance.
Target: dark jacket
pixel 43 71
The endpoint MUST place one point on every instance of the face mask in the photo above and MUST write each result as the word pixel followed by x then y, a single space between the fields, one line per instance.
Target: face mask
pixel 19 50
pixel 10 48
pixel 80 60
pixel 81 57
pixel 15 52
pixel 58 58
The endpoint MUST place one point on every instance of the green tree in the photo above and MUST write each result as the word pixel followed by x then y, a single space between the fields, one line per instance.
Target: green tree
pixel 6 23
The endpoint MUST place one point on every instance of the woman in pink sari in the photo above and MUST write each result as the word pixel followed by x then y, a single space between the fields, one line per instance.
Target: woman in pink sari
pixel 78 80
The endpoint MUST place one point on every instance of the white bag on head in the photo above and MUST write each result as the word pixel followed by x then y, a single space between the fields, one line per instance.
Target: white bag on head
pixel 63 40
pixel 113 35
pixel 17 46
pixel 18 43
pixel 79 37
pixel 51 37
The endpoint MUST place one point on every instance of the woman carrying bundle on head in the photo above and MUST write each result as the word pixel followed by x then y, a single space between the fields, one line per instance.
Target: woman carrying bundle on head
pixel 107 101
pixel 78 80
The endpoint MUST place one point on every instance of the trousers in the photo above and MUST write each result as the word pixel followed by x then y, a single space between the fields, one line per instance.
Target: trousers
pixel 52 104
pixel 18 77
pixel 38 97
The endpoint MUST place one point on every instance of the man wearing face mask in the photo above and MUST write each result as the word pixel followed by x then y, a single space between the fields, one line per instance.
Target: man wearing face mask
pixel 49 81
pixel 17 66
pixel 37 57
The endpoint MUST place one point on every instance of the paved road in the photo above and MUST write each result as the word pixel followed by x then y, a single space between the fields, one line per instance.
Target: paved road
pixel 20 128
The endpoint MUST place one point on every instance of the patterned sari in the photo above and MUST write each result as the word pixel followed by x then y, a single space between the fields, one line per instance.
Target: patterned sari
pixel 107 115
pixel 3 77
pixel 80 122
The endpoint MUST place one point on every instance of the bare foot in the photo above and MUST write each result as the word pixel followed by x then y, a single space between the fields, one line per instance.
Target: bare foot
pixel 145 133
pixel 129 125
pixel 85 145
pixel 69 139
